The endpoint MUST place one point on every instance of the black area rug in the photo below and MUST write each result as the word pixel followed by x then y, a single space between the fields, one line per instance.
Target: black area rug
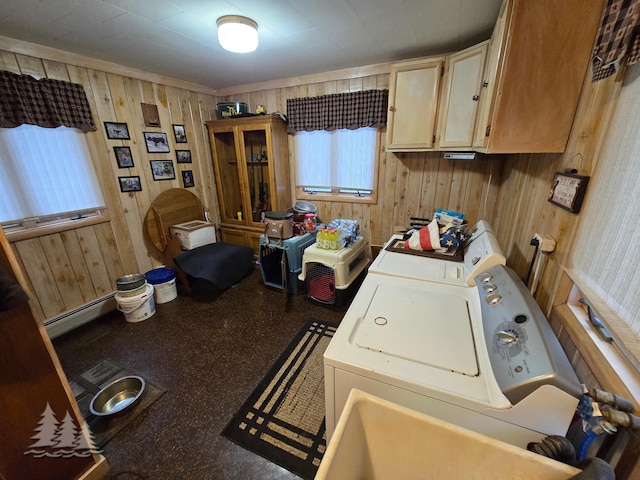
pixel 88 383
pixel 283 419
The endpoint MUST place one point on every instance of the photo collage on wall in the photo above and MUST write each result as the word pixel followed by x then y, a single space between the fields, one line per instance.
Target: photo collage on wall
pixel 155 143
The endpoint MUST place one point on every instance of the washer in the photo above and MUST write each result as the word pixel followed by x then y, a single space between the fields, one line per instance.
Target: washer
pixel 455 340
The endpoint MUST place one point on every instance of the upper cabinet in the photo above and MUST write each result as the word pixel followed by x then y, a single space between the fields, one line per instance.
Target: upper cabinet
pixel 461 95
pixel 413 104
pixel 539 56
pixel 517 93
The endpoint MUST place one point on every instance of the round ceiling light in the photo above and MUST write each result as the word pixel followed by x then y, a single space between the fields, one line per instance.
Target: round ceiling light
pixel 237 34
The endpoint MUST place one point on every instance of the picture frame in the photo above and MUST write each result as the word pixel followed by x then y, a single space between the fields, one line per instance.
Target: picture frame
pixel 179 133
pixel 123 157
pixel 183 156
pixel 568 190
pixel 150 115
pixel 156 142
pixel 130 184
pixel 162 170
pixel 117 131
pixel 187 178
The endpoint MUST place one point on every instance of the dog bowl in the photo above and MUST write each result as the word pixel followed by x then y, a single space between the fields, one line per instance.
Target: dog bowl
pixel 130 282
pixel 117 396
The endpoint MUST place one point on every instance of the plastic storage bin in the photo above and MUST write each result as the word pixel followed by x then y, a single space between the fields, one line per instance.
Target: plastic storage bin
pixel 333 276
pixel 284 257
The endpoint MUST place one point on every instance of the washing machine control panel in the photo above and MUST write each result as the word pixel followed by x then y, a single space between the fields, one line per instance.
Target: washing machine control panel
pixel 523 349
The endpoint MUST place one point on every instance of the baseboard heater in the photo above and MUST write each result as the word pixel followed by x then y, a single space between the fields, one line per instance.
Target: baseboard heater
pixel 67 321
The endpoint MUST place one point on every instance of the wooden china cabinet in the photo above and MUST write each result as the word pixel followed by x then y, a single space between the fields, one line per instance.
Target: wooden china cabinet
pixel 251 165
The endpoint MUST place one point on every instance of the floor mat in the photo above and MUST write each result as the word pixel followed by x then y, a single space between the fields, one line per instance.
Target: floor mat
pixel 283 419
pixel 88 383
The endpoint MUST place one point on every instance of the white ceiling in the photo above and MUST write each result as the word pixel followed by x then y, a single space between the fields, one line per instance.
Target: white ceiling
pixel 177 38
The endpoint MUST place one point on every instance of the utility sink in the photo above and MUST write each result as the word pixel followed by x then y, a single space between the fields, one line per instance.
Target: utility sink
pixel 378 440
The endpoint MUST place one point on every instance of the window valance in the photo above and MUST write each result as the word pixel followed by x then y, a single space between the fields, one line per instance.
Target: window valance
pixel 45 103
pixel 618 37
pixel 352 110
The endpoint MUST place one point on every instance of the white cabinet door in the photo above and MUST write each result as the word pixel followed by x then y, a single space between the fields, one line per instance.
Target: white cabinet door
pixel 461 95
pixel 413 104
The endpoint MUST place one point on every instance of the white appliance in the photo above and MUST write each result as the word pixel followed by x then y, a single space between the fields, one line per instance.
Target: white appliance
pixel 194 234
pixel 463 343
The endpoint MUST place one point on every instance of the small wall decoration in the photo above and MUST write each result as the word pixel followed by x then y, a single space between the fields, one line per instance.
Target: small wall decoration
pixel 187 178
pixel 179 133
pixel 568 190
pixel 117 131
pixel 183 156
pixel 130 184
pixel 162 170
pixel 150 115
pixel 156 142
pixel 123 157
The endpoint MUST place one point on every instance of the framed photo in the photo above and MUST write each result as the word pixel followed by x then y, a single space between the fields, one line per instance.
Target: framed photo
pixel 117 131
pixel 130 184
pixel 179 133
pixel 150 115
pixel 568 191
pixel 183 156
pixel 156 142
pixel 187 178
pixel 162 170
pixel 123 157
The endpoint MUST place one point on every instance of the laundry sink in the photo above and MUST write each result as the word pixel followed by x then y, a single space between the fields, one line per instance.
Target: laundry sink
pixel 378 440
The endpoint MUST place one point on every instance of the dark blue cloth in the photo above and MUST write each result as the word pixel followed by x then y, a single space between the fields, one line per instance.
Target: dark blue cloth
pixel 221 264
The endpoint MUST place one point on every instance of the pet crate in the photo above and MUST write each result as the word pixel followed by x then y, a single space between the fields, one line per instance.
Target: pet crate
pixel 332 277
pixel 281 263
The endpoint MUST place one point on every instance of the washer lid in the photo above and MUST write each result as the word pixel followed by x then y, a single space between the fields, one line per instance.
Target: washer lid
pixel 424 327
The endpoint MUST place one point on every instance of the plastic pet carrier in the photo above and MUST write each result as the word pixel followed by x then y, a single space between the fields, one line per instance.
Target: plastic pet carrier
pixel 332 277
pixel 280 264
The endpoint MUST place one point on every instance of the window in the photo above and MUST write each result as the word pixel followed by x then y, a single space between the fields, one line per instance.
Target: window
pixel 338 163
pixel 45 172
pixel 607 246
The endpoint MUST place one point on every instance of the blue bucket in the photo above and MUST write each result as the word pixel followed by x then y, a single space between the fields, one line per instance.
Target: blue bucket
pixel 163 280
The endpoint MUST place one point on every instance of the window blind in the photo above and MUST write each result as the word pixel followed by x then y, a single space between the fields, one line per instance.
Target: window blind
pixel 606 256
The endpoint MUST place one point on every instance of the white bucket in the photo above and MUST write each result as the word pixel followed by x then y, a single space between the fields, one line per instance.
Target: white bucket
pixel 165 292
pixel 164 282
pixel 139 307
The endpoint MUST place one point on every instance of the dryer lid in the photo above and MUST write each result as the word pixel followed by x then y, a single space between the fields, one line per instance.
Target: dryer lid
pixel 424 327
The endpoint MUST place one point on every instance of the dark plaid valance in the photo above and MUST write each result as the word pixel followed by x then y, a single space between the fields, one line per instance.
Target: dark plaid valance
pixel 339 110
pixel 619 36
pixel 46 103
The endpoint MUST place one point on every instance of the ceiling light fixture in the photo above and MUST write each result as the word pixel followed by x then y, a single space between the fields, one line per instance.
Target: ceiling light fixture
pixel 237 34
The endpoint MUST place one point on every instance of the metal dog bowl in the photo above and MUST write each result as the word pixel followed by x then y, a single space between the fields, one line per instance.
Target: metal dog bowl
pixel 117 396
pixel 130 282
pixel 304 207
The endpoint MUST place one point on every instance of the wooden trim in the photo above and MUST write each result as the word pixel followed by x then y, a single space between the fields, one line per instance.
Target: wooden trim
pixel 62 226
pixel 61 56
pixel 98 472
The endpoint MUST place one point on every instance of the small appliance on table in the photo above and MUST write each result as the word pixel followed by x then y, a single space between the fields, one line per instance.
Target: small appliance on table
pixel 461 341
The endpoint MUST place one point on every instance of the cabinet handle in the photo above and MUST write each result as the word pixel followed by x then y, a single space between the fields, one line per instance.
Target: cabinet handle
pixel 475 98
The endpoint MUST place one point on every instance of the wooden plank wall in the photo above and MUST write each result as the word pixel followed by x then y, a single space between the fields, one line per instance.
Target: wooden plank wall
pixel 409 184
pixel 67 269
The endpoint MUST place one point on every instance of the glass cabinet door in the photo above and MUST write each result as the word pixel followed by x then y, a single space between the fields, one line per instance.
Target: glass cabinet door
pixel 224 151
pixel 256 163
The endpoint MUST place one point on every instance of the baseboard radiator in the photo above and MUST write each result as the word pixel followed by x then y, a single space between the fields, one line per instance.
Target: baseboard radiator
pixel 67 321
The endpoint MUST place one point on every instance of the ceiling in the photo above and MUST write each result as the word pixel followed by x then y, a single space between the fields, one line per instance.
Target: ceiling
pixel 177 38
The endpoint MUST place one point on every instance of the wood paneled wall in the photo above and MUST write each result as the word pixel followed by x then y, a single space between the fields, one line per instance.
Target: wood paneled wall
pixel 67 269
pixel 70 268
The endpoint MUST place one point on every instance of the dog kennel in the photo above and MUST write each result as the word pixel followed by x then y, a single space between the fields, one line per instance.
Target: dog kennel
pixel 332 277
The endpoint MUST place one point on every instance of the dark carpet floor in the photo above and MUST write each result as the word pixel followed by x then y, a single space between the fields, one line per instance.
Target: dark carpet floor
pixel 209 351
